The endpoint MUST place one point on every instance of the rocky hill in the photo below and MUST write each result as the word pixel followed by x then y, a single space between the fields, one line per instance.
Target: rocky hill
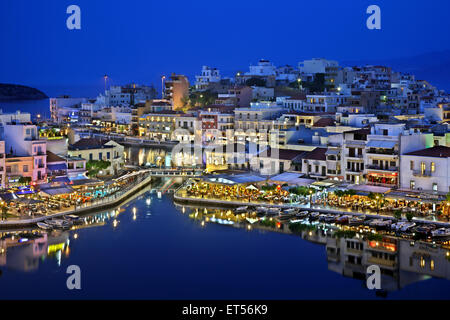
pixel 19 92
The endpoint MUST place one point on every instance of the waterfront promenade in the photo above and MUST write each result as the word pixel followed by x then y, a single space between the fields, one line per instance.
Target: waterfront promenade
pixel 178 197
pixel 97 205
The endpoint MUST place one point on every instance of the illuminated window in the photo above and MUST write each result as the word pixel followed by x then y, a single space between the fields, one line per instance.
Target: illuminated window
pixel 432 265
pixel 433 167
pixel 422 262
pixel 422 167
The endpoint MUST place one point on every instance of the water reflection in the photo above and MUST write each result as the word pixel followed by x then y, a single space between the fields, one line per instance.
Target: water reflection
pixel 22 250
pixel 401 261
pixel 158 157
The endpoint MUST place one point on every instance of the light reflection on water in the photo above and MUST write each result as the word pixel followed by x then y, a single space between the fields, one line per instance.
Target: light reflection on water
pixel 152 248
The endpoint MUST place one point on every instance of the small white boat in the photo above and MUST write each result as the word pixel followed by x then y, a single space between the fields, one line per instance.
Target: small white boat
pixel 289 211
pixel 59 223
pixel 241 209
pixel 44 226
pixel 314 215
pixel 72 217
pixel 441 233
pixel 407 226
pixel 252 220
pixel 398 225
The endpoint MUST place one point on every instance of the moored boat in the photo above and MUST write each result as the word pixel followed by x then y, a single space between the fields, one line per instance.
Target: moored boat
pixel 241 209
pixel 356 221
pixel 441 233
pixel 44 226
pixel 314 215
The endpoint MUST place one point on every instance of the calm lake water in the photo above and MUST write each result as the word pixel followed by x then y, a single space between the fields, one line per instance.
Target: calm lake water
pixel 161 253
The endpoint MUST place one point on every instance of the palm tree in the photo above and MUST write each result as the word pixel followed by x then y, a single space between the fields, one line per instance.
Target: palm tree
pixel 4 213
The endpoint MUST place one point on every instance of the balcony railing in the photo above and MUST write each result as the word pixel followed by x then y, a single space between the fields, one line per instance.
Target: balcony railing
pixel 375 167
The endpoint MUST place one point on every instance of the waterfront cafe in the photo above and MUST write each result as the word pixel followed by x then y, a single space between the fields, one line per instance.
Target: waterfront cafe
pixel 240 187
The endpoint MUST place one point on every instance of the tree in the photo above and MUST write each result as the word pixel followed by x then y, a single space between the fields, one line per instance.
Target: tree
pixel 398 214
pixel 24 180
pixel 95 166
pixel 4 212
pixel 257 82
pixel 409 216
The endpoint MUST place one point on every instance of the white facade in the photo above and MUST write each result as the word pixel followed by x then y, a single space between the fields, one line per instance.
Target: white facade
pixel 316 65
pixel 209 75
pixel 262 69
pixel 428 174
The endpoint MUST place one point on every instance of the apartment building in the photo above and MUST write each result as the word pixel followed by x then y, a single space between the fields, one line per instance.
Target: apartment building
pixel 176 89
pixel 208 76
pixel 25 154
pixel 426 170
pixel 382 154
pixel 91 149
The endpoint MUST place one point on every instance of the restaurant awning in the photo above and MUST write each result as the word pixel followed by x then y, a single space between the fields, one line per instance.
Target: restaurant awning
pixel 57 191
pixel 8 196
pixel 381 144
pixel 61 179
pixel 369 188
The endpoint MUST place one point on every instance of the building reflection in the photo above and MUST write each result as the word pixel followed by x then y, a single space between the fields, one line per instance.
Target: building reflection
pixel 23 250
pixel 402 262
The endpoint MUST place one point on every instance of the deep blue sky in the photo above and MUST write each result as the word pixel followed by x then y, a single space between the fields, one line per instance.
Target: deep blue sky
pixel 141 40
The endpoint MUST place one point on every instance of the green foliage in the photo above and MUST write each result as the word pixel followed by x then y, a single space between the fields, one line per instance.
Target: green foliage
pixel 345 234
pixel 199 99
pixel 298 227
pixel 409 216
pixel 269 187
pixel 302 191
pixel 95 166
pixel 268 223
pixel 255 82
pixel 398 214
pixel 374 237
pixel 25 180
pixel 4 212
pixel 343 193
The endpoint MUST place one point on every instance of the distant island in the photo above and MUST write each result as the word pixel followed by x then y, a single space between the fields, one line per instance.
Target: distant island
pixel 10 92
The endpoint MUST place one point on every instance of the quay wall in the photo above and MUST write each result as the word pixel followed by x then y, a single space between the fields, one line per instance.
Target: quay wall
pixel 232 204
pixel 102 204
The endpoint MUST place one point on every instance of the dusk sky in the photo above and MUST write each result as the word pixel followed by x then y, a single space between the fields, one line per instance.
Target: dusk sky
pixel 138 41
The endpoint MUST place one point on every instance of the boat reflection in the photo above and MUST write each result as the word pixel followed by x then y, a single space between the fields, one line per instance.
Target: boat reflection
pixel 402 261
pixel 23 250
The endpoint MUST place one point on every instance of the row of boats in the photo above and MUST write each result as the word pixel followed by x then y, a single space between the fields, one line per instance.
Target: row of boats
pixel 390 225
pixel 66 222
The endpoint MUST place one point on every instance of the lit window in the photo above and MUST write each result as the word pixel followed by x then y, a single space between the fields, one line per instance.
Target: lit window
pixel 433 167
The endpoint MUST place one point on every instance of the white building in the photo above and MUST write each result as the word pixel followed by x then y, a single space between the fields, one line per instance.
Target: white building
pixel 64 108
pixel 17 117
pixel 316 65
pixel 209 75
pixel 262 69
pixel 382 154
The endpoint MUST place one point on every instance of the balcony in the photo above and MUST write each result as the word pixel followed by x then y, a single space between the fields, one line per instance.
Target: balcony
pixel 355 156
pixel 380 168
pixel 388 152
